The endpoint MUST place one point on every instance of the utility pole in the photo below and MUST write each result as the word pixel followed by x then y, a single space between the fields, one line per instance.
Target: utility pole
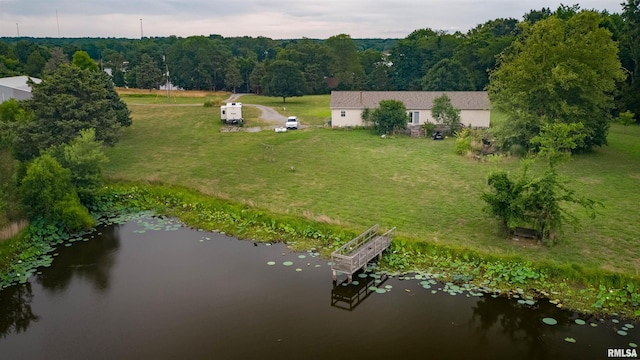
pixel 141 33
pixel 166 67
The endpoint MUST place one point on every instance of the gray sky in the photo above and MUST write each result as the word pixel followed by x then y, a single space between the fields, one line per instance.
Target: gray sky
pixel 276 19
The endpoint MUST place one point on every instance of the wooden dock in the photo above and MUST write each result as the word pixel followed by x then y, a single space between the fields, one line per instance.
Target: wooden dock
pixel 355 254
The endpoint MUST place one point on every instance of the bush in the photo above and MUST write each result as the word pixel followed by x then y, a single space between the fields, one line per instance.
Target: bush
pixel 463 142
pixel 429 128
pixel 73 215
pixel 47 192
pixel 84 158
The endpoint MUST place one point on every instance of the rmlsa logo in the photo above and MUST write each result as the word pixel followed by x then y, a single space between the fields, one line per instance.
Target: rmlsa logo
pixel 622 353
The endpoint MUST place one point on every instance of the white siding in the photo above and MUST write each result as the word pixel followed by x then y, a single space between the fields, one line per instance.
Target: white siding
pixel 475 118
pixel 472 118
pixel 351 118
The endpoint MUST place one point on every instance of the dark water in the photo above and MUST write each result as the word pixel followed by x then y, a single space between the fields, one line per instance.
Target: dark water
pixel 185 294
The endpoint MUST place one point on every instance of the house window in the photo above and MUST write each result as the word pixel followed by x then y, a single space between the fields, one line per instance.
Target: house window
pixel 415 119
pixel 343 113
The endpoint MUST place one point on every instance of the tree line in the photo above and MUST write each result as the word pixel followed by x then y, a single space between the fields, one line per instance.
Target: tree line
pixel 426 59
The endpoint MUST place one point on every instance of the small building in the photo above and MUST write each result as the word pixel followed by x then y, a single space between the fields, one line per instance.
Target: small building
pixel 16 87
pixel 347 106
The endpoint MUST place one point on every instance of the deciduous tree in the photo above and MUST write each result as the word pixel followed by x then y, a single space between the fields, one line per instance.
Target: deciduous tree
pixel 447 75
pixel 84 158
pixel 82 60
pixel 444 113
pixel 558 71
pixel 390 117
pixel 47 192
pixel 283 79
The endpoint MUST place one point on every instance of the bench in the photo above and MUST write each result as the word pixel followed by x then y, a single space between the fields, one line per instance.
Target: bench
pixel 525 233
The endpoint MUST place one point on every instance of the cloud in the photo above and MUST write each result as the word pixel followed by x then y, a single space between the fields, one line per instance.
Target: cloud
pixel 276 19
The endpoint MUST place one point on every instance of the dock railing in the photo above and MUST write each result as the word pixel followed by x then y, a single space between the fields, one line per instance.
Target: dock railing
pixel 358 252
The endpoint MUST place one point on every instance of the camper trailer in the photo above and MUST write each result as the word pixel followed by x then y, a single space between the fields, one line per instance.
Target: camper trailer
pixel 231 113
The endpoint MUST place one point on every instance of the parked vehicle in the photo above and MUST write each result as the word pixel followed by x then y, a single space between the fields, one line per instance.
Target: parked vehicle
pixel 292 122
pixel 231 113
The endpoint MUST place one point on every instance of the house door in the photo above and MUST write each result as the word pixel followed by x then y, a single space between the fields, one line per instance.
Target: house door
pixel 415 119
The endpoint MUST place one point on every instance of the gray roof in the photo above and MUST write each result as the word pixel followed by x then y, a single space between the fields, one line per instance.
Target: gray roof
pixel 18 82
pixel 413 100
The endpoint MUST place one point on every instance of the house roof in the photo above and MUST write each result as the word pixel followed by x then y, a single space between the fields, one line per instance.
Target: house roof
pixel 413 100
pixel 18 82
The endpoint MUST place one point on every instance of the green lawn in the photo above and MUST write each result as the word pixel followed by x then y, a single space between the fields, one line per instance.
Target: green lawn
pixel 357 179
pixel 310 110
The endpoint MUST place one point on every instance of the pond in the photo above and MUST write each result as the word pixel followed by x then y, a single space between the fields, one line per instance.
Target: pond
pixel 153 289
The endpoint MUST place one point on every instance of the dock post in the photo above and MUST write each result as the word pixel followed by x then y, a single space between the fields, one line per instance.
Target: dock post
pixel 335 275
pixel 350 278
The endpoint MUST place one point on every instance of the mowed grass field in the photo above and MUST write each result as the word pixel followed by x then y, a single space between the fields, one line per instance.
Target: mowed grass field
pixel 356 179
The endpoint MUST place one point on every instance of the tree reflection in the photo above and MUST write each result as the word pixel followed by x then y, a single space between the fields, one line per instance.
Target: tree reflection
pixel 15 309
pixel 91 261
pixel 519 323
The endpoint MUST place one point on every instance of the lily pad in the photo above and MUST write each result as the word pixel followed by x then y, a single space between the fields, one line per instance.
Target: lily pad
pixel 593 324
pixel 298 269
pixel 302 256
pixel 388 287
pixel 355 283
pixel 569 339
pixel 633 345
pixel 362 275
pixel 580 322
pixel 530 302
pixel 287 263
pixel 373 288
pixel 622 333
pixel 550 321
pixel 381 291
pixel 521 302
pixel 615 321
pixel 629 326
pixel 271 263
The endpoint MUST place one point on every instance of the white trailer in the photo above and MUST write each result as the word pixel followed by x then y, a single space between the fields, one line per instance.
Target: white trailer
pixel 231 113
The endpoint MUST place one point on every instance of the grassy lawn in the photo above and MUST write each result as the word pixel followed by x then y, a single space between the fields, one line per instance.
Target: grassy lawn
pixel 310 110
pixel 357 179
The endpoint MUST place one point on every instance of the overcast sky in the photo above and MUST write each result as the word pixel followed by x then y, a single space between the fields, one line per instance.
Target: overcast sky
pixel 276 19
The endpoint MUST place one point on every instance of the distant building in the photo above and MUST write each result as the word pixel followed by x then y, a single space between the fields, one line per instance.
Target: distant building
pixel 16 87
pixel 347 106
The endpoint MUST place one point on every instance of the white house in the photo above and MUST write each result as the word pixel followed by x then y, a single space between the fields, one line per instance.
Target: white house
pixel 16 87
pixel 347 106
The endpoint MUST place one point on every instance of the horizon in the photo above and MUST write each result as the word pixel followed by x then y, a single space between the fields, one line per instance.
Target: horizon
pixel 278 20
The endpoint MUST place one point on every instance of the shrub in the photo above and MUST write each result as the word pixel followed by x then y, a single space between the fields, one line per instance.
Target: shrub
pixel 463 142
pixel 84 158
pixel 47 192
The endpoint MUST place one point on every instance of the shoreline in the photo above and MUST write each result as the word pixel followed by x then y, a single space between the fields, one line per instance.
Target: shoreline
pixel 582 290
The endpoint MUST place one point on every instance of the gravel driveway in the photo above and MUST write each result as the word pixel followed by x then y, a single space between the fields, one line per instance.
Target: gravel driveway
pixel 267 114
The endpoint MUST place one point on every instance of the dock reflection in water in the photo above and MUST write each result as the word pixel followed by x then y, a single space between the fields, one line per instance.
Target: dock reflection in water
pixel 348 296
